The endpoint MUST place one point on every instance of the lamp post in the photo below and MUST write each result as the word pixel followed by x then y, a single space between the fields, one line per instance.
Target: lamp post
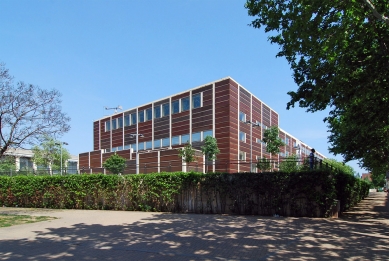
pixel 255 124
pixel 297 148
pixel 60 145
pixel 137 135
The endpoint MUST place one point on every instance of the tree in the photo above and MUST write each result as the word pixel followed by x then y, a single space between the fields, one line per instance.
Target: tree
pixel 340 166
pixel 115 164
pixel 339 54
pixel 378 178
pixel 210 148
pixel 272 140
pixel 28 113
pixel 7 163
pixel 48 154
pixel 289 164
pixel 264 164
pixel 187 153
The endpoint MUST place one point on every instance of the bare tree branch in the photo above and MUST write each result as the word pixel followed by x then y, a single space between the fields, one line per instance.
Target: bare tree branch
pixel 28 113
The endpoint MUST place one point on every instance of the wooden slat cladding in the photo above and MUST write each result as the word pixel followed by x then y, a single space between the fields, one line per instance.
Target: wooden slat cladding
pixel 180 123
pixel 83 160
pixel 161 102
pixel 95 159
pixel 274 118
pixel 145 107
pixel 161 127
pixel 145 129
pixel 202 119
pixel 128 139
pixel 105 136
pixel 266 115
pixel 96 135
pixel 117 137
pixel 182 95
pixel 202 89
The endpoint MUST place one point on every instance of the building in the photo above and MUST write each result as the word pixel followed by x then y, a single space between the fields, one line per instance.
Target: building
pixel 152 132
pixel 24 162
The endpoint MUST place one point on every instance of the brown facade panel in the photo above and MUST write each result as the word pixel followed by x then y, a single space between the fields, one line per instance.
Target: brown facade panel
pixel 180 96
pixel 96 135
pixel 83 160
pixel 202 89
pixel 117 138
pixel 145 107
pixel 161 102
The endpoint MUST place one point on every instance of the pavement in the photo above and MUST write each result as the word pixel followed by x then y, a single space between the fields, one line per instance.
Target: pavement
pixel 360 234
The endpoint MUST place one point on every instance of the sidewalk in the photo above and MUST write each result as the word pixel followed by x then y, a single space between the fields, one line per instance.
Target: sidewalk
pixel 361 234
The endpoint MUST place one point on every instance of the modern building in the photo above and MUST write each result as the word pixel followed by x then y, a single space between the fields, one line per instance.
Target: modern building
pixel 152 132
pixel 24 162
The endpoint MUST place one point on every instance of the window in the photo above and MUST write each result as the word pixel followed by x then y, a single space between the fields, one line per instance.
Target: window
pixel 175 106
pixel 141 116
pixel 114 124
pixel 127 120
pixel 207 133
pixel 157 144
pixel 242 116
pixel 242 136
pixel 120 122
pixel 165 109
pixel 107 125
pixel 127 147
pixel 149 145
pixel 242 155
pixel 287 141
pixel 185 104
pixel 196 101
pixel 149 114
pixel 133 147
pixel 133 119
pixel 259 140
pixel 165 142
pixel 141 146
pixel 175 140
pixel 196 136
pixel 157 112
pixel 185 139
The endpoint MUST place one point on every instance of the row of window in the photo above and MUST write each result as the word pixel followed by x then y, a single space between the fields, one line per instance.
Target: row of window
pixel 242 118
pixel 165 142
pixel 160 111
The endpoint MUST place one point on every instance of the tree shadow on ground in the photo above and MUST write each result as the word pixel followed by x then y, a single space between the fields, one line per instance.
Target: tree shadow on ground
pixel 210 237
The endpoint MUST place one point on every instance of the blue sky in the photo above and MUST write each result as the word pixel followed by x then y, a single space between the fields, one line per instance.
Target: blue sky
pixel 108 53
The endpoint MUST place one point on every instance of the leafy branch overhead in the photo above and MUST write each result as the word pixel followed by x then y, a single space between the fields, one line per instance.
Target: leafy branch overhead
pixel 28 113
pixel 339 53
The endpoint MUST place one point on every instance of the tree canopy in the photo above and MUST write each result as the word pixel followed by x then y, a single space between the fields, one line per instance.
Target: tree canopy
pixel 273 141
pixel 338 52
pixel 187 153
pixel 48 154
pixel 115 164
pixel 28 113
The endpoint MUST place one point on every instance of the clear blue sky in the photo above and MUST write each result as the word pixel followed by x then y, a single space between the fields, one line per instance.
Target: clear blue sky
pixel 108 53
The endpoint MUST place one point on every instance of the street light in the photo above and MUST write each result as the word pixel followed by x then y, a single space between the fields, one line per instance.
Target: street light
pixel 298 154
pixel 136 153
pixel 255 124
pixel 60 144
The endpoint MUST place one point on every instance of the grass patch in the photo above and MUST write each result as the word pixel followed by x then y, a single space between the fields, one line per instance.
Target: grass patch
pixel 11 220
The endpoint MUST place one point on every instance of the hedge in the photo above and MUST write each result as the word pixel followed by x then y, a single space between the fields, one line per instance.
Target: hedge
pixel 287 194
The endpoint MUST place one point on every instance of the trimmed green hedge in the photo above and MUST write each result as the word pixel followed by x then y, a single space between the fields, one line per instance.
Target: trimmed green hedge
pixel 286 194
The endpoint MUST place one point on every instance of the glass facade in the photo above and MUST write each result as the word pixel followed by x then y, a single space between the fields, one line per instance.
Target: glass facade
pixel 185 104
pixel 175 106
pixel 157 112
pixel 196 101
pixel 165 109
pixel 149 114
pixel 141 116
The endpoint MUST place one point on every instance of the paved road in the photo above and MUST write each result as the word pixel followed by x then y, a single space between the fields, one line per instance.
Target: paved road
pixel 361 234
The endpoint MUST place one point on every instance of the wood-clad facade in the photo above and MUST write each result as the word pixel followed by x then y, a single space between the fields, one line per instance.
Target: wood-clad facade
pixel 223 109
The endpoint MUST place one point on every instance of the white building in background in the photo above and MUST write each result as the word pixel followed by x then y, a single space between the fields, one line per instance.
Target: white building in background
pixel 23 160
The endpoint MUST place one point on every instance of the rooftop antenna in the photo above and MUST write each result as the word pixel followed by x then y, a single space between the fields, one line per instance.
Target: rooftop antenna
pixel 119 107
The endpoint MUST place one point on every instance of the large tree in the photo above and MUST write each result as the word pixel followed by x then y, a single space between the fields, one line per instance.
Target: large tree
pixel 28 113
pixel 338 51
pixel 50 153
pixel 272 140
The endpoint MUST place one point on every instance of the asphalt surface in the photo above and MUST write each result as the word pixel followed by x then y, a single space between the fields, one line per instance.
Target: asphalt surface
pixel 360 234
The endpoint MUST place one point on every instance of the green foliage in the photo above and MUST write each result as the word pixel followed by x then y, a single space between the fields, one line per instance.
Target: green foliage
pixel 7 163
pixel 115 164
pixel 210 148
pixel 340 166
pixel 290 164
pixel 273 141
pixel 292 194
pixel 378 178
pixel 48 154
pixel 264 164
pixel 187 153
pixel 338 51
